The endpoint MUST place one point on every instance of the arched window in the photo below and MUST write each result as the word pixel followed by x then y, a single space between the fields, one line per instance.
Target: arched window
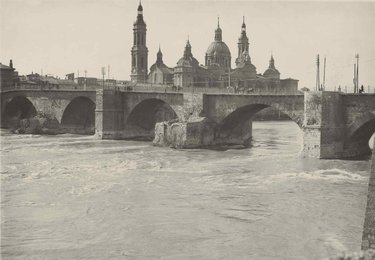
pixel 133 61
pixel 142 62
pixel 138 38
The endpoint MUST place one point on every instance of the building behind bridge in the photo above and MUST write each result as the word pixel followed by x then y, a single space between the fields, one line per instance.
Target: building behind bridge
pixel 11 80
pixel 217 71
pixel 8 76
pixel 216 74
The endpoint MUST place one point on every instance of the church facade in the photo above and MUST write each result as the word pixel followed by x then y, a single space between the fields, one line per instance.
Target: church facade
pixel 217 71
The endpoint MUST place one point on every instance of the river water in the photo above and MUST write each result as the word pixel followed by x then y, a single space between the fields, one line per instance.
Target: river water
pixel 76 197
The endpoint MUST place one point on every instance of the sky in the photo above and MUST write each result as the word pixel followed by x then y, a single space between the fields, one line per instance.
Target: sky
pixel 64 36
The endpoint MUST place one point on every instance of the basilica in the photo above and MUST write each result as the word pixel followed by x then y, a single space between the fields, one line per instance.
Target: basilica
pixel 217 71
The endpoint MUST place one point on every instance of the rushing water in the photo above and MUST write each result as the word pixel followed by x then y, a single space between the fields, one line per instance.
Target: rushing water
pixel 76 197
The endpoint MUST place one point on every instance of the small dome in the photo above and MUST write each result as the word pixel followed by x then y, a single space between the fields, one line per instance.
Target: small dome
pixel 217 48
pixel 271 73
pixel 189 62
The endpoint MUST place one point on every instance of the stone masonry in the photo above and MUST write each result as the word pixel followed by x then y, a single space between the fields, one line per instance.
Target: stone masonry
pixel 368 238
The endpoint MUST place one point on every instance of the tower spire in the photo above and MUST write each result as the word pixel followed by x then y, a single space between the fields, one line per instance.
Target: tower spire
pixel 218 32
pixel 159 56
pixel 140 8
pixel 187 51
pixel 272 62
pixel 243 41
pixel 139 51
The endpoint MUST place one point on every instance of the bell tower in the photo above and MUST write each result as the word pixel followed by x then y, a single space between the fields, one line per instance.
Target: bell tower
pixel 243 41
pixel 139 50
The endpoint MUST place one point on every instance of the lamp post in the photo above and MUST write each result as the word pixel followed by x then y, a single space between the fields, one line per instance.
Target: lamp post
pixel 103 74
pixel 85 80
pixel 317 83
pixel 357 81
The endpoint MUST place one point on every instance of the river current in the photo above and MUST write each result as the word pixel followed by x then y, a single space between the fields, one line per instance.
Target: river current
pixel 77 197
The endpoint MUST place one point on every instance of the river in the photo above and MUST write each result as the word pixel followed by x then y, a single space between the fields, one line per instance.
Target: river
pixel 76 197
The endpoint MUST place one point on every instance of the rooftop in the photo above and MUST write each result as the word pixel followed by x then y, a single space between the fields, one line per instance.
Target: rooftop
pixel 5 67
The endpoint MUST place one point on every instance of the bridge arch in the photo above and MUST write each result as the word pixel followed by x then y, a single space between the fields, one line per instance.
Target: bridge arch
pixel 359 134
pixel 236 127
pixel 142 118
pixel 246 112
pixel 16 108
pixel 79 116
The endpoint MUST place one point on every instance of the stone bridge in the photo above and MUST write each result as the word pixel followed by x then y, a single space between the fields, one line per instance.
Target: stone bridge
pixel 109 113
pixel 121 115
pixel 334 125
pixel 73 110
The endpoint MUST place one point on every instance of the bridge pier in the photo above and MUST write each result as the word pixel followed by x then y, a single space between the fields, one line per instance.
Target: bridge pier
pixel 133 115
pixel 330 132
pixel 108 114
pixel 368 236
pixel 323 126
pixel 240 134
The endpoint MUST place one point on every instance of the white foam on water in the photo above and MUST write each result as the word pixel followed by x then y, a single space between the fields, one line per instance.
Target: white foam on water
pixel 331 175
pixel 332 242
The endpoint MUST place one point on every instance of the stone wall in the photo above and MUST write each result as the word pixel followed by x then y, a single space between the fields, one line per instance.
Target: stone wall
pixel 194 133
pixel 218 106
pixel 52 103
pixel 368 238
pixel 360 123
pixel 108 114
pixel 323 128
pixel 123 115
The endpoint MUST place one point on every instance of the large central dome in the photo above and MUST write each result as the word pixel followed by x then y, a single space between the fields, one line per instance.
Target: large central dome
pixel 218 48
pixel 218 53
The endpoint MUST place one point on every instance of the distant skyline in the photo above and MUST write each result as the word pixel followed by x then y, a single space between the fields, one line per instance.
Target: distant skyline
pixel 64 36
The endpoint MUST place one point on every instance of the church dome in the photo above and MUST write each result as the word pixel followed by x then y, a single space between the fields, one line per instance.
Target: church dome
pixel 218 52
pixel 218 48
pixel 272 72
pixel 188 62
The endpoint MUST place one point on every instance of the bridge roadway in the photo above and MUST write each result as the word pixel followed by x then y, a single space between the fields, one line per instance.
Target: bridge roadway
pixel 334 124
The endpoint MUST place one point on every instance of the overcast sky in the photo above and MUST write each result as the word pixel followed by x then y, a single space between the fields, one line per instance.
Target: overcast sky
pixel 63 36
